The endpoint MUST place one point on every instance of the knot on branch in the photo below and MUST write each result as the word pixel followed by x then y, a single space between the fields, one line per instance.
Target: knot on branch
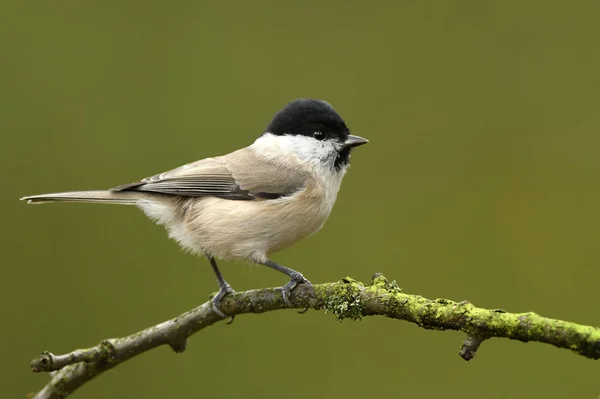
pixel 43 362
pixel 178 344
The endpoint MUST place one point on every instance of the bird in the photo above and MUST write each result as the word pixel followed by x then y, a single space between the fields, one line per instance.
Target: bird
pixel 251 202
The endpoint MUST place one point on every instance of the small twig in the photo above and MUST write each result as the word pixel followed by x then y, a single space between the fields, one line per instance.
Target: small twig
pixel 470 346
pixel 50 362
pixel 345 299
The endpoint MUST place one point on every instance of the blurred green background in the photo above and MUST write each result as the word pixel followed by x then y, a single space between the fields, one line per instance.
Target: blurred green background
pixel 481 182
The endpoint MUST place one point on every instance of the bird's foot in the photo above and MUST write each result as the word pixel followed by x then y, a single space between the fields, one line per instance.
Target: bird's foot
pixel 216 301
pixel 295 279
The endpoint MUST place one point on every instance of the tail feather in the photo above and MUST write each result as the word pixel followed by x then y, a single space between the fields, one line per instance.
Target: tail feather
pixel 99 196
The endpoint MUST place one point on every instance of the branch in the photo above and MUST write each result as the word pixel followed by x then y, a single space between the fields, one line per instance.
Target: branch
pixel 346 299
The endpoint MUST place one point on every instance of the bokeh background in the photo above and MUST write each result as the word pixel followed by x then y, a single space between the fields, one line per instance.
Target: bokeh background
pixel 481 182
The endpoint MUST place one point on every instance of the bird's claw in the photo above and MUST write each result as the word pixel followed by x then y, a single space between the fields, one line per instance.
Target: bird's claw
pixel 216 301
pixel 293 283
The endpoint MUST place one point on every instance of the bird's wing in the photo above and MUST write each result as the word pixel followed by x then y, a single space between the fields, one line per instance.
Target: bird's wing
pixel 240 175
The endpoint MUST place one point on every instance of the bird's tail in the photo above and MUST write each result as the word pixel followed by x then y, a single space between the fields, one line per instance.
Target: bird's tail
pixel 99 196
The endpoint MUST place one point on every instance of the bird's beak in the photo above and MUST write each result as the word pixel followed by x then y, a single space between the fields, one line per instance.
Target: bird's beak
pixel 354 141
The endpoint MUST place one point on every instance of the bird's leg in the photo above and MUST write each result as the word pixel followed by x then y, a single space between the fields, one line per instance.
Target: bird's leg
pixel 224 289
pixel 295 279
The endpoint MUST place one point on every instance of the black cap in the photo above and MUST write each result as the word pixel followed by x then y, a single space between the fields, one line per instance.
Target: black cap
pixel 308 117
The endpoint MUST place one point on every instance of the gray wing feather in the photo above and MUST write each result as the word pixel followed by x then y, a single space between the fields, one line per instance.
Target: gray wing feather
pixel 240 175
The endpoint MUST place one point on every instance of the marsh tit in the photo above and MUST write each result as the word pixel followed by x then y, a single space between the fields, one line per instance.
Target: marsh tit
pixel 249 203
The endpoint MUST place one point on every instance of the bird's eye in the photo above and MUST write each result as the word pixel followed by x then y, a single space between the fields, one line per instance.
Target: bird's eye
pixel 318 135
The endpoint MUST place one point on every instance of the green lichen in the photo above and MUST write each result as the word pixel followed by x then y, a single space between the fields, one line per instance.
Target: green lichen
pixel 379 281
pixel 344 301
pixel 394 287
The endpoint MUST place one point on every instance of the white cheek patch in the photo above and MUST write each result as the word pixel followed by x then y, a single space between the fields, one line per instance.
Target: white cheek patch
pixel 321 153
